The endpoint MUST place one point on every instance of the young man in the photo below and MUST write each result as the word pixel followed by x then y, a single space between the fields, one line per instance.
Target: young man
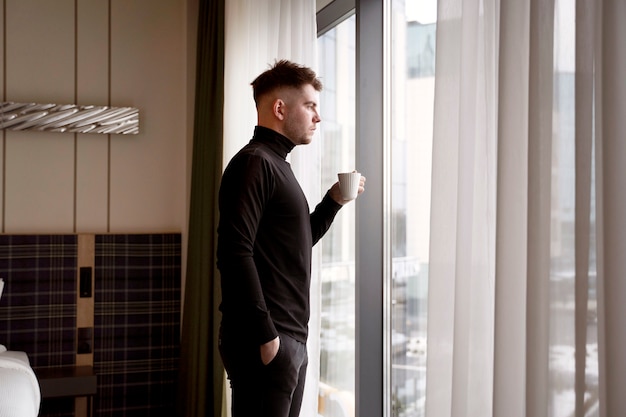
pixel 265 236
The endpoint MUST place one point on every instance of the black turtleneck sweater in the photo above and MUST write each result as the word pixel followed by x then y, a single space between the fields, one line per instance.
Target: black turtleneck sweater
pixel 265 237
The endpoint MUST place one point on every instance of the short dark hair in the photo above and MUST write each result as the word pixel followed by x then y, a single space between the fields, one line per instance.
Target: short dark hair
pixel 284 73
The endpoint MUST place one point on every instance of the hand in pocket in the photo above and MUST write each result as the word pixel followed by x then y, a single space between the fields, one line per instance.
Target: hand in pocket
pixel 269 350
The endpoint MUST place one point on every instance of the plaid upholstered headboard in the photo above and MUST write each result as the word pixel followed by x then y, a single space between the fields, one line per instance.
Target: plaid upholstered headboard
pixel 135 313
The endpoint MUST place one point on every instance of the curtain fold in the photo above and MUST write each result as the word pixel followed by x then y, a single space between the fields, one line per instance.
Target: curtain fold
pixel 461 284
pixel 462 250
pixel 585 41
pixel 511 213
pixel 201 371
pixel 613 232
pixel 540 132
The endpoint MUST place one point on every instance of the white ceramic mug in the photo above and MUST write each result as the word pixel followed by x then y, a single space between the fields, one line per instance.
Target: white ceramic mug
pixel 349 184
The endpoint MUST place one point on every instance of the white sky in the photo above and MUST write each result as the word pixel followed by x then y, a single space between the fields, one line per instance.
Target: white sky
pixel 423 11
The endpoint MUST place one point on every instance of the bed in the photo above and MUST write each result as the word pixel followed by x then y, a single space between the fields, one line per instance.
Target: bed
pixel 20 395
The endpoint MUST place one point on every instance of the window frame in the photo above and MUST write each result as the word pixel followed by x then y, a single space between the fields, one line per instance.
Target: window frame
pixel 373 248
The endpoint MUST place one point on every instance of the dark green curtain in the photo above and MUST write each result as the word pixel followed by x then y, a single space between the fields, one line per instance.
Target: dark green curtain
pixel 201 371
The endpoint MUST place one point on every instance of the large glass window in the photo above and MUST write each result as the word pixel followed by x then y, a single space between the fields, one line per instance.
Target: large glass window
pixel 337 106
pixel 413 25
pixel 412 81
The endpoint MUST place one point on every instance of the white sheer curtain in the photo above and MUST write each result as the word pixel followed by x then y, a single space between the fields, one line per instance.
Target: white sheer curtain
pixel 259 32
pixel 463 232
pixel 529 152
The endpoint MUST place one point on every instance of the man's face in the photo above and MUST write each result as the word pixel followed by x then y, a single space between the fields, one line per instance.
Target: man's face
pixel 301 116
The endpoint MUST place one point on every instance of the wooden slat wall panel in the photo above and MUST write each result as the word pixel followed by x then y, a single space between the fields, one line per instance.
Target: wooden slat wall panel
pixel 40 61
pixel 92 88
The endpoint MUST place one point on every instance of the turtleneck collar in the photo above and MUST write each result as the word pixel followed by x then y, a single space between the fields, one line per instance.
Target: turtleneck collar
pixel 274 140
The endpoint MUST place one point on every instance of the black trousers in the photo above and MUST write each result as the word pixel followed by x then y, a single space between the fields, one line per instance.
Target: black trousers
pixel 272 390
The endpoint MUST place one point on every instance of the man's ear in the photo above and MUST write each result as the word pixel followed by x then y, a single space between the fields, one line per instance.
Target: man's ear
pixel 278 109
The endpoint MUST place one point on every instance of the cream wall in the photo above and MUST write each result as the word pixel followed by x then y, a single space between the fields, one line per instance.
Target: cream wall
pixel 119 53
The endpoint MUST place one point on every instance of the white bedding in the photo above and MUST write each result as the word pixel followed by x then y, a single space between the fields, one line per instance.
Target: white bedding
pixel 20 395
